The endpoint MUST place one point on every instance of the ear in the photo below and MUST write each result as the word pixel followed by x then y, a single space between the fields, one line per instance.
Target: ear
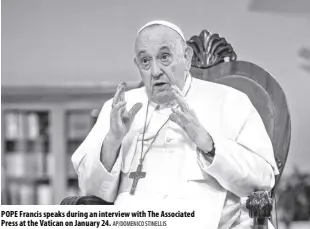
pixel 188 57
pixel 135 60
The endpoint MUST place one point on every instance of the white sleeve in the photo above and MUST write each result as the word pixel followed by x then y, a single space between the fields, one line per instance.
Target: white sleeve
pixel 243 163
pixel 94 179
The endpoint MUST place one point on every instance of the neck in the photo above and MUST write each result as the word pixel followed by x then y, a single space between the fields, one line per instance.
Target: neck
pixel 163 105
pixel 168 104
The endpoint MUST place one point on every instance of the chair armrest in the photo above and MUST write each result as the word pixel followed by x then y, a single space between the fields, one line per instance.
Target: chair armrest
pixel 259 205
pixel 84 200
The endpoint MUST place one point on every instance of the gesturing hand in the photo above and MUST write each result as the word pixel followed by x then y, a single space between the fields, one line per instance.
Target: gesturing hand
pixel 120 118
pixel 187 119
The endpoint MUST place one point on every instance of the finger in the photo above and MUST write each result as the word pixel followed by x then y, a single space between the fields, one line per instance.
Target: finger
pixel 174 118
pixel 122 97
pixel 122 108
pixel 180 97
pixel 177 90
pixel 181 101
pixel 119 106
pixel 134 110
pixel 120 89
pixel 180 114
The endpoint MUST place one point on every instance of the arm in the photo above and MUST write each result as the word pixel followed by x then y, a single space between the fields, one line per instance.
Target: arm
pixel 110 151
pixel 94 178
pixel 98 160
pixel 244 160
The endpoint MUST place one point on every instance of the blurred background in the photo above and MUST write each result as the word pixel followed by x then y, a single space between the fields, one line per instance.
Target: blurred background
pixel 62 59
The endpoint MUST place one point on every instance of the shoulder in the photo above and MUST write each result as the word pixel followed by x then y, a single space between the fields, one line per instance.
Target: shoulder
pixel 228 99
pixel 135 95
pixel 135 92
pixel 206 88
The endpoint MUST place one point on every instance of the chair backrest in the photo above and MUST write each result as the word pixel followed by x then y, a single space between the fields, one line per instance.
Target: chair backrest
pixel 215 60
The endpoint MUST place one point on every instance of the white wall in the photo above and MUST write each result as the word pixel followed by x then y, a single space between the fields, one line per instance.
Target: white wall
pixel 79 41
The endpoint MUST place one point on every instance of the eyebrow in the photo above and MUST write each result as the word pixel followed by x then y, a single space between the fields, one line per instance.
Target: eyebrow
pixel 161 48
pixel 165 47
pixel 141 52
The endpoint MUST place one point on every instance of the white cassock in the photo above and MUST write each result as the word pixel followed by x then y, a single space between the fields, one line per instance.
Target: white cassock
pixel 175 171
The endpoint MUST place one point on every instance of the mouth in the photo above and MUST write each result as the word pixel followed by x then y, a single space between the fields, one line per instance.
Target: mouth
pixel 161 84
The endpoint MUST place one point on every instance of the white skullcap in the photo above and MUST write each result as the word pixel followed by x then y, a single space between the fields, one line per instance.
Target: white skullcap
pixel 164 23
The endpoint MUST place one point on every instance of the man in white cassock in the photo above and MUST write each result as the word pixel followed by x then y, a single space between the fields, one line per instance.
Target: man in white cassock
pixel 177 139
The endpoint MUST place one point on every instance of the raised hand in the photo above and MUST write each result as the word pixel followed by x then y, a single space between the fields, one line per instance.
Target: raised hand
pixel 187 119
pixel 120 118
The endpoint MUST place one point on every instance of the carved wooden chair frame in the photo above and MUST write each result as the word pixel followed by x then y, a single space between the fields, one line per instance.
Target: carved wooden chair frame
pixel 213 58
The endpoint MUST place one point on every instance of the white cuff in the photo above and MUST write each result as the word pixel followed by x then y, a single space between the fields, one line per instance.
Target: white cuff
pixel 97 181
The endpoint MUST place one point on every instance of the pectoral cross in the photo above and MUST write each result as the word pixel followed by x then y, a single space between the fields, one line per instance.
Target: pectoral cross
pixel 136 176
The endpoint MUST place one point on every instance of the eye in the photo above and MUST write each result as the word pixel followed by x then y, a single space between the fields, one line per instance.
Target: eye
pixel 144 61
pixel 165 56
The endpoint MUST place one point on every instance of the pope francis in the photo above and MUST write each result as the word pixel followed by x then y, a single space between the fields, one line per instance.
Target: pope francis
pixel 177 139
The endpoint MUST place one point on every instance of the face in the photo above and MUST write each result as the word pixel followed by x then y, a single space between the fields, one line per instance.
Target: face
pixel 163 60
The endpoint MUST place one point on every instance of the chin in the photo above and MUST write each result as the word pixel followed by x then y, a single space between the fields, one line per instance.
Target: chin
pixel 162 98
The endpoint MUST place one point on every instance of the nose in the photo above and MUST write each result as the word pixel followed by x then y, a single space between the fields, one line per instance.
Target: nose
pixel 156 70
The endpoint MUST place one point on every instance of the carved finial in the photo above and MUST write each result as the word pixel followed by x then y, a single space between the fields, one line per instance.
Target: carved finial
pixel 210 49
pixel 259 204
